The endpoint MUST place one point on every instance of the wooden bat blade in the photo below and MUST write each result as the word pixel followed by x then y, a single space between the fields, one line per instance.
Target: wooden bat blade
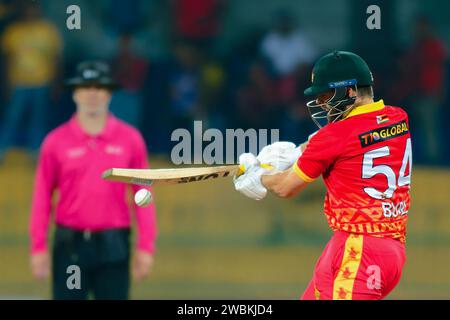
pixel 169 176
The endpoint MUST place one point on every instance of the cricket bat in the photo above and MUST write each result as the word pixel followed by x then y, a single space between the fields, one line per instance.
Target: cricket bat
pixel 147 177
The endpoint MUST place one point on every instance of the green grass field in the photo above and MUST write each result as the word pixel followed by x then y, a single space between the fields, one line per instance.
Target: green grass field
pixel 216 244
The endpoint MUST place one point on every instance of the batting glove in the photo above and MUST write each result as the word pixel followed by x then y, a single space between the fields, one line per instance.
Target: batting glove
pixel 280 155
pixel 249 181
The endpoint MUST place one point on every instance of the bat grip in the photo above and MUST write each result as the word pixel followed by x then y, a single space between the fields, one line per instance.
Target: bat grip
pixel 241 168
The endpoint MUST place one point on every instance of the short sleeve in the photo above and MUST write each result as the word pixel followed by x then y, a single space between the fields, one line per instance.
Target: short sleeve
pixel 320 153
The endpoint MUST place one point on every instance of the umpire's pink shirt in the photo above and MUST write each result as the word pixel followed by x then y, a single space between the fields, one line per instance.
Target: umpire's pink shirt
pixel 72 162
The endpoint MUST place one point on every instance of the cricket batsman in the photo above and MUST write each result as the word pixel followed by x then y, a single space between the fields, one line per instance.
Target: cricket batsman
pixel 363 152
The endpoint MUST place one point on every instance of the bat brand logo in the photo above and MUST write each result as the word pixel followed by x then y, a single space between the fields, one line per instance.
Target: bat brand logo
pixel 204 177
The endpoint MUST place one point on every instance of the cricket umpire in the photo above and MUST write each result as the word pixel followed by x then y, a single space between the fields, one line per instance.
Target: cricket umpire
pixel 92 217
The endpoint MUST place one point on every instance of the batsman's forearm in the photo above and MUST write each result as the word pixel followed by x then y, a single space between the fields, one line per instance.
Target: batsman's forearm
pixel 275 182
pixel 285 184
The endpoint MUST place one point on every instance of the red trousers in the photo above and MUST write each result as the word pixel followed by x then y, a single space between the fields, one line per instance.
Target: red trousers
pixel 356 267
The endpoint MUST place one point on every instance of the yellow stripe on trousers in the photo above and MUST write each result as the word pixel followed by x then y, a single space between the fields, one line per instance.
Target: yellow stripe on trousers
pixel 345 279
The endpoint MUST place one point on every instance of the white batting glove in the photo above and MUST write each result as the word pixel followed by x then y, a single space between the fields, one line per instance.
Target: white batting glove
pixel 249 183
pixel 247 161
pixel 280 155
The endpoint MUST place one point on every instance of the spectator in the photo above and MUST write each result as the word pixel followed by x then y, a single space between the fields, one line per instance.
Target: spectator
pixel 32 47
pixel 286 48
pixel 296 122
pixel 92 215
pixel 197 21
pixel 257 99
pixel 212 81
pixel 289 54
pixel 7 15
pixel 184 85
pixel 422 85
pixel 130 71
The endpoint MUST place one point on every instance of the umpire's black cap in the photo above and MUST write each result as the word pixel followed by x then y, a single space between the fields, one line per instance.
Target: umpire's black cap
pixel 92 73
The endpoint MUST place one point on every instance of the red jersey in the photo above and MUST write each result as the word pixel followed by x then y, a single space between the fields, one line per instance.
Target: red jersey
pixel 365 161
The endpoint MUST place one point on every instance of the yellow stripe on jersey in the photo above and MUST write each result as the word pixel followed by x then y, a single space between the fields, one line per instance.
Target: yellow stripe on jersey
pixel 301 174
pixel 371 107
pixel 316 293
pixel 345 279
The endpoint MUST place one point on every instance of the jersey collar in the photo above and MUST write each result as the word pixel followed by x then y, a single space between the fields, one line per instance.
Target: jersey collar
pixel 106 133
pixel 371 107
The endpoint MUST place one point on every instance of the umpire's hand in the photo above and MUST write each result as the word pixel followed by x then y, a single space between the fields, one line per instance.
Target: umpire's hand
pixel 142 264
pixel 40 265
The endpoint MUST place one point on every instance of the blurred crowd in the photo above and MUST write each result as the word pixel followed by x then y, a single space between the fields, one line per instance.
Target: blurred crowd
pixel 258 84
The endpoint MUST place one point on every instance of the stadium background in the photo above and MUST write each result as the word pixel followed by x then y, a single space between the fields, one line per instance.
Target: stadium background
pixel 215 243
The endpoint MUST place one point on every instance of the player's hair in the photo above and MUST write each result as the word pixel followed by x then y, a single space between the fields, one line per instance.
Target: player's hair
pixel 365 91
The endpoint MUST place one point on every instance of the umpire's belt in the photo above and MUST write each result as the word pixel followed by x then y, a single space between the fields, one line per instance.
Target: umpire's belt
pixel 110 244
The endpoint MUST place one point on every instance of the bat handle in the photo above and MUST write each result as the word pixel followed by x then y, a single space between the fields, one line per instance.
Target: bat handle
pixel 241 168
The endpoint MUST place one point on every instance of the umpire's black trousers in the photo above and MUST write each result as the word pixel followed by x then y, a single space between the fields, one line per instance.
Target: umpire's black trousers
pixel 91 264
